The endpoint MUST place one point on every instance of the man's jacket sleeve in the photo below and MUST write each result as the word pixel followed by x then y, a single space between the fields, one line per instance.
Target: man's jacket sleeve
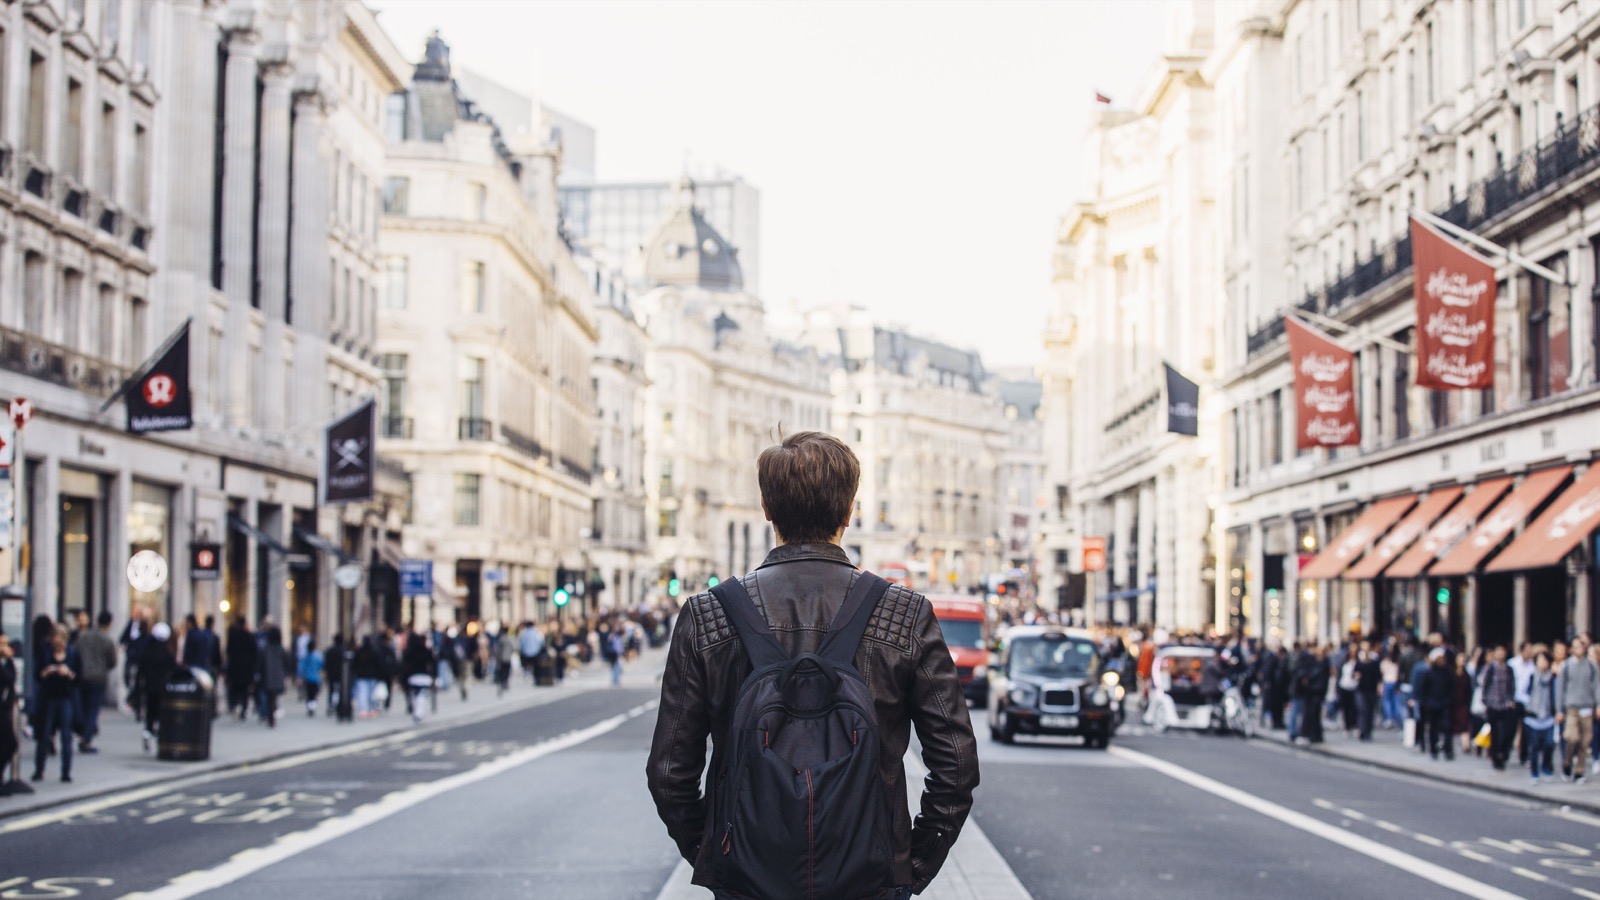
pixel 949 750
pixel 678 751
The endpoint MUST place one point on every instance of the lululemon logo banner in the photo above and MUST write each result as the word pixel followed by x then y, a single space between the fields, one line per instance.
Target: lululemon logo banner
pixel 1324 389
pixel 162 399
pixel 1455 291
pixel 349 457
pixel 1183 403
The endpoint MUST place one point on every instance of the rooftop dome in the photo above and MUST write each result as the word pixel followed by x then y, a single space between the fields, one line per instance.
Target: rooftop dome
pixel 686 250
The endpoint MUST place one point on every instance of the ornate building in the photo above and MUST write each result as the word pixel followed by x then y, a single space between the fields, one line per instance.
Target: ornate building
pixel 720 391
pixel 487 336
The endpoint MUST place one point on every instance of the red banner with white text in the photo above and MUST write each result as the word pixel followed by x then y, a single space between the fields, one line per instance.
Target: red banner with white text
pixel 1324 389
pixel 1455 291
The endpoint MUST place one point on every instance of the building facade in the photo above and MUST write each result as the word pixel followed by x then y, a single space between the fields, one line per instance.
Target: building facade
pixel 162 163
pixel 486 339
pixel 927 422
pixel 721 390
pixel 1138 286
pixel 1022 483
pixel 1483 113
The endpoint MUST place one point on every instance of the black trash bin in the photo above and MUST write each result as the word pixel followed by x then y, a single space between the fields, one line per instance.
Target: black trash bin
pixel 544 668
pixel 186 711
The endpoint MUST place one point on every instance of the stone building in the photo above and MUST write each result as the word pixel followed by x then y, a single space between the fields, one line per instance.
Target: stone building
pixel 165 162
pixel 487 336
pixel 927 422
pixel 1137 280
pixel 1485 114
pixel 721 390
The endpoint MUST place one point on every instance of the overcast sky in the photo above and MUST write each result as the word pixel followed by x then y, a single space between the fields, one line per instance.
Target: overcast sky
pixel 912 158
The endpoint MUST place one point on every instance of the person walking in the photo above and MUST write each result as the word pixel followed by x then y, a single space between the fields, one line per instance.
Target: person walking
pixel 1500 706
pixel 272 674
pixel 59 669
pixel 530 646
pixel 1369 682
pixel 1577 694
pixel 1434 697
pixel 505 658
pixel 418 668
pixel 97 656
pixel 1345 695
pixel 366 670
pixel 155 667
pixel 808 484
pixel 1389 668
pixel 1539 719
pixel 202 649
pixel 241 667
pixel 9 741
pixel 135 636
pixel 1521 667
pixel 616 649
pixel 310 673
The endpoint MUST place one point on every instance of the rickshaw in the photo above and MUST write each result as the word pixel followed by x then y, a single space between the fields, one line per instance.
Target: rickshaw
pixel 1176 699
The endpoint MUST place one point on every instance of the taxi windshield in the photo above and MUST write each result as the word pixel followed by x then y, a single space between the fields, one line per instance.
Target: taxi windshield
pixel 1052 658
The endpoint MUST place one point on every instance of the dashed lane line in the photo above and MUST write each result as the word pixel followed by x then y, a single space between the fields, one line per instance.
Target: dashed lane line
pixel 1403 861
pixel 250 861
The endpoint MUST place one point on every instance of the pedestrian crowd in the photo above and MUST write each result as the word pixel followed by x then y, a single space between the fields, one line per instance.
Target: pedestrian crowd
pixel 76 673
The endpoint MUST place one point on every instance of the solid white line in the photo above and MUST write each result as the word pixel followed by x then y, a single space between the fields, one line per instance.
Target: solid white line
pixel 1404 861
pixel 250 861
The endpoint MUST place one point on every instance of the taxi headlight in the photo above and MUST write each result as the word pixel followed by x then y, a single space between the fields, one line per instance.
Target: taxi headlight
pixel 1110 679
pixel 1099 697
pixel 1121 692
pixel 1022 695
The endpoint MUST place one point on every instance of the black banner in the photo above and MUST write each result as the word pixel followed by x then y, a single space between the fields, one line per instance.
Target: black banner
pixel 1183 404
pixel 161 399
pixel 350 456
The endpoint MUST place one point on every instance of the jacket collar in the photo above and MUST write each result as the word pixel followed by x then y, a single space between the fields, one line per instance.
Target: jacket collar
pixel 795 552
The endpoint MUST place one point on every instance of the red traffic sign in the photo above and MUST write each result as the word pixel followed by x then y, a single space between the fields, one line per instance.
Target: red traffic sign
pixel 21 411
pixel 1094 554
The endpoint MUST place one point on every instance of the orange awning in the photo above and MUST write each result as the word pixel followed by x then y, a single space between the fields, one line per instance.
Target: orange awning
pixel 1447 531
pixel 1563 526
pixel 1350 544
pixel 1512 511
pixel 1400 537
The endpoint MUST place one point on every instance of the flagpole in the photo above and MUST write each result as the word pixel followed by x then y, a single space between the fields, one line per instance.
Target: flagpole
pixel 144 367
pixel 1486 244
pixel 1337 325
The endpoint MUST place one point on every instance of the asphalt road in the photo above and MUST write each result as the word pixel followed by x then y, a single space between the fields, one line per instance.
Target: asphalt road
pixel 550 802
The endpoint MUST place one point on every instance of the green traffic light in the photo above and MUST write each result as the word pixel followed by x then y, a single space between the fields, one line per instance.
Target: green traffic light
pixel 561 597
pixel 1442 595
pixel 674 587
pixel 713 581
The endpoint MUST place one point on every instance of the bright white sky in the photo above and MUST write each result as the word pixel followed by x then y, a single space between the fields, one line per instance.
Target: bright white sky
pixel 912 158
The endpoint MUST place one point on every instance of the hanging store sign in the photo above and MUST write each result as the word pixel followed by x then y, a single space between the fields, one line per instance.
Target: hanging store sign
pixel 350 457
pixel 205 561
pixel 1324 389
pixel 160 399
pixel 1183 403
pixel 1455 293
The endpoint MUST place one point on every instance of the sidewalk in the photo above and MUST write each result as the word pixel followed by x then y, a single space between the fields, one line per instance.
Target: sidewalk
pixel 122 765
pixel 1387 752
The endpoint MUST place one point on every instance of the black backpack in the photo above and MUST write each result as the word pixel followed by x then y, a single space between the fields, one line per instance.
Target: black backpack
pixel 799 810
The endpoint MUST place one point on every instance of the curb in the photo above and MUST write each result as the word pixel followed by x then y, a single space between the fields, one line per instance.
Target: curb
pixel 205 769
pixel 1587 804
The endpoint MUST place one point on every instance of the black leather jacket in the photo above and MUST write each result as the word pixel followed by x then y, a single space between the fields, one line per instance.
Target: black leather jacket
pixel 903 657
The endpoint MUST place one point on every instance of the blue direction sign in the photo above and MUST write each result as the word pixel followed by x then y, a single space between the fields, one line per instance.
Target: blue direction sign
pixel 416 577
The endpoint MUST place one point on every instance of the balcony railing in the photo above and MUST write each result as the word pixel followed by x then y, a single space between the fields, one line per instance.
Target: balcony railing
pixel 397 427
pixel 1572 149
pixel 475 429
pixel 45 361
pixel 573 468
pixel 521 443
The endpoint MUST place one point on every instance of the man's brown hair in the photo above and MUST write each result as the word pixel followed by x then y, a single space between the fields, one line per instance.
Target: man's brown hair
pixel 808 484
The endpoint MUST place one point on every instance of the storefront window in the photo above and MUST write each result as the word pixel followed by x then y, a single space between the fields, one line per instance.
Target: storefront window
pixel 150 528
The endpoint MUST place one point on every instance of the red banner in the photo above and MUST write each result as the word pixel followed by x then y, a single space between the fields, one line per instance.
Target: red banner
pixel 1455 291
pixel 1324 389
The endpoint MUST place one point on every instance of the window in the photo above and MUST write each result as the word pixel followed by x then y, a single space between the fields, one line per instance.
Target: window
pixel 1400 387
pixel 72 132
pixel 1361 126
pixel 478 198
pixel 1439 409
pixel 396 281
pixel 395 117
pixel 472 294
pixel 666 424
pixel 397 196
pixel 666 478
pixel 106 160
pixel 472 368
pixel 110 25
pixel 71 317
pixel 34 301
pixel 1433 56
pixel 1275 428
pixel 38 91
pixel 667 523
pixel 141 170
pixel 392 400
pixel 468 506
pixel 141 41
pixel 105 330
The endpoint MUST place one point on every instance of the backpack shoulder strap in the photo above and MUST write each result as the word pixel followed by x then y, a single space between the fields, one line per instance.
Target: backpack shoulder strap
pixel 752 628
pixel 844 635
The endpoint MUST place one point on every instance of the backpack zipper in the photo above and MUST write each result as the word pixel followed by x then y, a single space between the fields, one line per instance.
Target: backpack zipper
pixel 727 839
pixel 811 838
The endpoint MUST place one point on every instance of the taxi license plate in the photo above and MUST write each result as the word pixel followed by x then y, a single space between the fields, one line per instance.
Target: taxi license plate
pixel 1059 721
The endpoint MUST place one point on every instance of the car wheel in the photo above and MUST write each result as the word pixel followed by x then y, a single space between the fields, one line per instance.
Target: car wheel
pixel 1006 732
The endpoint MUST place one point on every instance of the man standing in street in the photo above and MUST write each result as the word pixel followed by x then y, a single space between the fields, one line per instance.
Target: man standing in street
pixel 1499 699
pixel 98 656
pixel 1577 692
pixel 135 635
pixel 808 487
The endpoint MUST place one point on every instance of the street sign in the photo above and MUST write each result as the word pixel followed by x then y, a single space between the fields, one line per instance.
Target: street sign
pixel 494 576
pixel 416 577
pixel 21 411
pixel 1094 554
pixel 348 576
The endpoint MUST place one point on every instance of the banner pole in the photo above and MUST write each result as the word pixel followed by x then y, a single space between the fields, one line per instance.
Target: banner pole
pixel 1483 243
pixel 1337 325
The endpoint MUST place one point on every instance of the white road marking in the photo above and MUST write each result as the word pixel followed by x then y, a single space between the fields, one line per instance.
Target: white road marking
pixel 1529 873
pixel 1475 855
pixel 248 862
pixel 1400 860
pixel 1583 892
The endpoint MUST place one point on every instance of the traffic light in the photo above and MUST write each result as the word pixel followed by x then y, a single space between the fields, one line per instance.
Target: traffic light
pixel 1000 589
pixel 1442 596
pixel 560 597
pixel 674 587
pixel 712 581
